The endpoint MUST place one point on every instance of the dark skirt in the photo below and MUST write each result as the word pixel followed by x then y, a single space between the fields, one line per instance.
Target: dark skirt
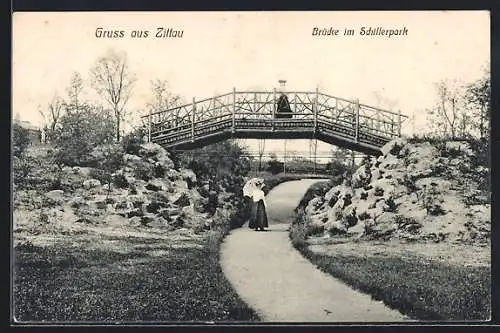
pixel 258 216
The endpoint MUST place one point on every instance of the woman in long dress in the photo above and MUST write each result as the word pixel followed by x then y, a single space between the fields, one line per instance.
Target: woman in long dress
pixel 258 213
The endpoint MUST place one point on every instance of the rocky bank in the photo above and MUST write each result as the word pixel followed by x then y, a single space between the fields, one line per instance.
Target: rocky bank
pixel 146 192
pixel 413 192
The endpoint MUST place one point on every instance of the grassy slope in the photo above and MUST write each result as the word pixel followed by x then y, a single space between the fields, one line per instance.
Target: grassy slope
pixel 418 287
pixel 154 281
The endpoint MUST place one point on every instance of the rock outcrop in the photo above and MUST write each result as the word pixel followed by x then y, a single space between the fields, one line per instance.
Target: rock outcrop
pixel 146 191
pixel 413 191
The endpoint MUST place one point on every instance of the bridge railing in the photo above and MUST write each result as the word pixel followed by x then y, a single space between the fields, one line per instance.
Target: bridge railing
pixel 196 117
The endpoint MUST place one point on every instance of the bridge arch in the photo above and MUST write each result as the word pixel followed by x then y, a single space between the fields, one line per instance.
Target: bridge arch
pixel 259 114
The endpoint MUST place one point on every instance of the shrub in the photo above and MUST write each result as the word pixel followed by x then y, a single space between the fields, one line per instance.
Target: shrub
pixel 350 220
pixel 120 181
pixel 298 231
pixel 275 166
pixel 391 205
pixel 378 191
pixel 316 190
pixel 22 167
pixel 347 200
pixel 132 189
pixel 431 201
pixel 336 167
pixel 132 141
pixel 408 224
pixel 333 200
pixel 363 195
pixel 450 152
pixel 80 132
pixel 20 140
pixel 143 171
pixel 98 174
pixel 410 184
pixel 159 171
pixel 154 206
pixel 314 229
pixel 364 216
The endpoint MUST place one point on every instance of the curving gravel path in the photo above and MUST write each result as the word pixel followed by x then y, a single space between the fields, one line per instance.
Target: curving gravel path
pixel 281 285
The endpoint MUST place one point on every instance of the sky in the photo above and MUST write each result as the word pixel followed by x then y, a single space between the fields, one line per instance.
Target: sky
pixel 253 50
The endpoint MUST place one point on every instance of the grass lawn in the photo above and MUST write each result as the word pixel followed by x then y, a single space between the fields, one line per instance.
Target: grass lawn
pixel 417 286
pixel 125 279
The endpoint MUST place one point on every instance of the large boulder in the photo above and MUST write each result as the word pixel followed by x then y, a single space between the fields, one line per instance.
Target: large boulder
pixel 91 183
pixel 335 227
pixel 55 196
pixel 189 176
pixel 383 227
pixel 393 147
pixel 157 154
pixel 157 185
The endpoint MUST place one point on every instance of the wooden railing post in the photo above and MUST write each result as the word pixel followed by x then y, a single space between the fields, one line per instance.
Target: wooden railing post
pixel 274 107
pixel 193 110
pixel 378 122
pixel 356 107
pixel 233 129
pixel 315 111
pixel 149 126
pixel 399 122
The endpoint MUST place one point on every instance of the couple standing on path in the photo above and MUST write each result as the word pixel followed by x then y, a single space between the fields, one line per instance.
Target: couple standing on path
pixel 256 198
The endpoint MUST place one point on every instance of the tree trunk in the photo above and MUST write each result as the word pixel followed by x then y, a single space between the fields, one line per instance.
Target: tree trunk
pixel 481 124
pixel 117 128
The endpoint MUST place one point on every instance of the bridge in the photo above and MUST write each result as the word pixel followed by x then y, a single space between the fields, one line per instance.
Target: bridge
pixel 256 115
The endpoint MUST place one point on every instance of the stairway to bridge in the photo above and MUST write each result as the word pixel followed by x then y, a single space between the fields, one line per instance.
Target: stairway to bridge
pixel 274 115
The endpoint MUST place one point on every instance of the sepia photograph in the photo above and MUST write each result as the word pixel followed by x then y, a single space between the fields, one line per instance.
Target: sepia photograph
pixel 250 167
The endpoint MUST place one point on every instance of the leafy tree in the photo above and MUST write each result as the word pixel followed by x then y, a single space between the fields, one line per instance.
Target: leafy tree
pixel 478 98
pixel 220 162
pixel 80 132
pixel 223 166
pixel 20 139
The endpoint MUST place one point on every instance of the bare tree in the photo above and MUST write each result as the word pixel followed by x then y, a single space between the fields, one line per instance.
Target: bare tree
pixel 262 148
pixel 163 99
pixel 445 116
pixel 384 102
pixel 52 114
pixel 113 81
pixel 74 90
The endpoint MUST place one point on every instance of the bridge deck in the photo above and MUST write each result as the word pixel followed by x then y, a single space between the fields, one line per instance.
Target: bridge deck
pixel 256 115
